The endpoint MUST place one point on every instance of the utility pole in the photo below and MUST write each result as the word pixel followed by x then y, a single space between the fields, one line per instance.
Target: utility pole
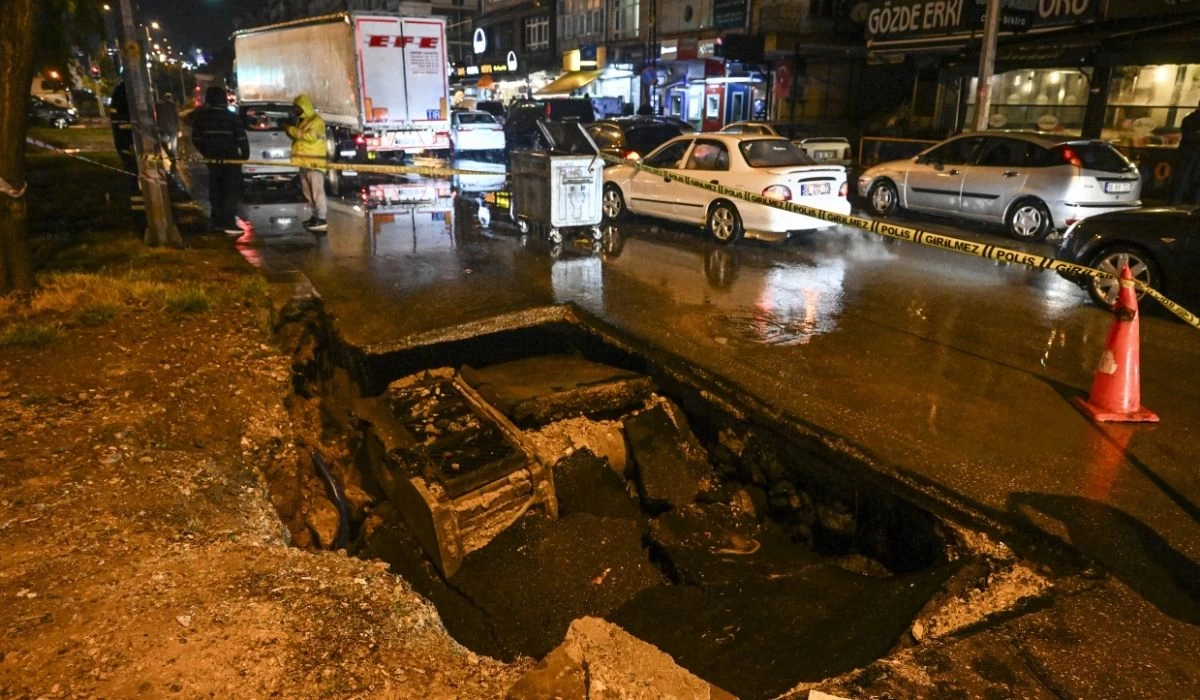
pixel 152 178
pixel 987 65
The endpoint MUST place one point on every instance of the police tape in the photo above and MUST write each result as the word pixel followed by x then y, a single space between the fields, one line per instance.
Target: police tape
pixel 915 235
pixel 76 156
pixel 326 166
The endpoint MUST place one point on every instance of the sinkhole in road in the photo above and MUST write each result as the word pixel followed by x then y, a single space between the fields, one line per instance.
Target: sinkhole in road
pixel 530 472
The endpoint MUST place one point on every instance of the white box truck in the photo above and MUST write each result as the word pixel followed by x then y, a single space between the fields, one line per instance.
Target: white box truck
pixel 378 80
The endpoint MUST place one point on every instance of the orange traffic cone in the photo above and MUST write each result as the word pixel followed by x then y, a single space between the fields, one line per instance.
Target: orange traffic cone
pixel 1116 394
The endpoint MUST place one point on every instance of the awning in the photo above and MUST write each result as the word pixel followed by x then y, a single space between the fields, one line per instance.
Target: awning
pixel 569 82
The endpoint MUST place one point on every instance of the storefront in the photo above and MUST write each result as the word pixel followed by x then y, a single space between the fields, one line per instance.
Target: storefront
pixel 696 85
pixel 1127 71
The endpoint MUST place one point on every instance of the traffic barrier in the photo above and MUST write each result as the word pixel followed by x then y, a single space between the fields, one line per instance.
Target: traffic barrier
pixel 1116 395
pixel 915 235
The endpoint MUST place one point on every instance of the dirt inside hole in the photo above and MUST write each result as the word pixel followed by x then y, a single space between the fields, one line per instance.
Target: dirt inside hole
pixel 770 567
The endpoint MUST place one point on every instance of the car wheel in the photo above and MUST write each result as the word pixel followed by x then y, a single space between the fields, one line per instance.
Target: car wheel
pixel 1103 290
pixel 724 222
pixel 883 198
pixel 59 123
pixel 1028 220
pixel 613 203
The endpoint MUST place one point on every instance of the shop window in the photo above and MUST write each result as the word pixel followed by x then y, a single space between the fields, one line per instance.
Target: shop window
pixel 537 33
pixel 626 18
pixel 1041 100
pixel 1146 104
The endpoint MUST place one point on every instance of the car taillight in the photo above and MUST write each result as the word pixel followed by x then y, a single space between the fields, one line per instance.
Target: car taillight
pixel 547 111
pixel 360 140
pixel 778 192
pixel 631 155
pixel 1069 156
pixel 844 190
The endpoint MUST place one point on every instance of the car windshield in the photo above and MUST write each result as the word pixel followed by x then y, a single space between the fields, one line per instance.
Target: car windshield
pixel 475 118
pixel 644 139
pixel 572 108
pixel 266 117
pixel 773 153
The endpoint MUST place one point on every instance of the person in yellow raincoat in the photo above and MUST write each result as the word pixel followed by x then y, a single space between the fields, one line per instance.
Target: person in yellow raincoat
pixel 308 149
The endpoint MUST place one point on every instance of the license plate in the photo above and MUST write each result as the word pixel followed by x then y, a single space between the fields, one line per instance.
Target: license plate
pixel 823 155
pixel 1118 187
pixel 814 190
pixel 277 153
pixel 283 221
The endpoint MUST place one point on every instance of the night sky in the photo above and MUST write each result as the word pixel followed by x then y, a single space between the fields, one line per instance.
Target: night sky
pixel 205 23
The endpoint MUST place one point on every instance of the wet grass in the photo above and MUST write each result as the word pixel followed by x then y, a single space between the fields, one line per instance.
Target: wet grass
pixel 190 299
pixel 252 289
pixel 97 314
pixel 85 138
pixel 29 335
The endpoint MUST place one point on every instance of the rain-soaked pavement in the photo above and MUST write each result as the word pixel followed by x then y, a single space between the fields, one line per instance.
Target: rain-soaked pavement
pixel 952 373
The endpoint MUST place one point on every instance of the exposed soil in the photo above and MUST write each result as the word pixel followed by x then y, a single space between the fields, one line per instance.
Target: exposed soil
pixel 143 555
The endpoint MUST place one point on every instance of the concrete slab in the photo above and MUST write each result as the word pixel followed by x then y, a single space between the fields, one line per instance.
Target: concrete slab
pixel 537 576
pixel 618 666
pixel 538 390
pixel 672 468
pixel 584 483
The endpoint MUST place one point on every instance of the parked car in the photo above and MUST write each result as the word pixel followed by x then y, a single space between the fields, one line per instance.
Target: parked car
pixel 475 131
pixel 42 112
pixel 1161 245
pixel 772 167
pixel 1031 182
pixel 827 149
pixel 786 130
pixel 265 124
pixel 632 137
pixel 492 107
pixel 520 126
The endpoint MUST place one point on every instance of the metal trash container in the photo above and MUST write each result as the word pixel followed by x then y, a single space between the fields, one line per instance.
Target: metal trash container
pixel 559 190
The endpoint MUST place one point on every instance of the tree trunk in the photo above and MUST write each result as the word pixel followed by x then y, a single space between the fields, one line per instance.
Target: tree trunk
pixel 16 73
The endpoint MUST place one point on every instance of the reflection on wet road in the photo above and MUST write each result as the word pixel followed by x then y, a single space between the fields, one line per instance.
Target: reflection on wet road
pixel 954 369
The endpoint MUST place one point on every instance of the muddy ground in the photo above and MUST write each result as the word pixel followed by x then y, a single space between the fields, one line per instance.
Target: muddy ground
pixel 141 553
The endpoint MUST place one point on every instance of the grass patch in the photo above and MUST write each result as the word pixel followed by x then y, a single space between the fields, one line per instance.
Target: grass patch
pixel 97 314
pixel 190 299
pixel 29 335
pixel 252 289
pixel 85 138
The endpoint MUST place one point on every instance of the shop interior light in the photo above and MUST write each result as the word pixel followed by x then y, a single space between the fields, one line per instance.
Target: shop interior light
pixel 1162 74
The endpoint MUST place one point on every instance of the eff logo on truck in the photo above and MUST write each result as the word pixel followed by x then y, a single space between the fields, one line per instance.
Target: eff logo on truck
pixel 399 42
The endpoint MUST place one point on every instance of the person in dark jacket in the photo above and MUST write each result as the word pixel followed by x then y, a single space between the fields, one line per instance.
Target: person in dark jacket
pixel 218 133
pixel 1186 180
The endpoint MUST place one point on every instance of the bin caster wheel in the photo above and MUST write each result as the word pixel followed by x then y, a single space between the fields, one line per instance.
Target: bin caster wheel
pixel 596 234
pixel 555 236
pixel 522 225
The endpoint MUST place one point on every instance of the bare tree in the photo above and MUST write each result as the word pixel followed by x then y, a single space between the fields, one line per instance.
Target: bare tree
pixel 16 73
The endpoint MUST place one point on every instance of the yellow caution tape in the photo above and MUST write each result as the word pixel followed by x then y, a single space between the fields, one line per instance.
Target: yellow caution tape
pixel 915 235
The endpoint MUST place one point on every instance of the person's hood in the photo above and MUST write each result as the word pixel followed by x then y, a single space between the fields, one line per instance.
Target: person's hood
pixel 215 96
pixel 305 106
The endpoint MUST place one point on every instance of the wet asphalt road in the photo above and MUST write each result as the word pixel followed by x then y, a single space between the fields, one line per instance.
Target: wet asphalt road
pixel 952 371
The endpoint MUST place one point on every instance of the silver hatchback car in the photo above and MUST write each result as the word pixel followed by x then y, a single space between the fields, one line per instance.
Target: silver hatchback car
pixel 1031 182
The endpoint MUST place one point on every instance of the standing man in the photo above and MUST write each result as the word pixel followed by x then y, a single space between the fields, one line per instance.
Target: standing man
pixel 1185 179
pixel 167 119
pixel 308 149
pixel 218 134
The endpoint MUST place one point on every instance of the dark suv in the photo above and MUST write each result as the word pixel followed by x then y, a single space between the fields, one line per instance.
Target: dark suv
pixel 632 137
pixel 520 125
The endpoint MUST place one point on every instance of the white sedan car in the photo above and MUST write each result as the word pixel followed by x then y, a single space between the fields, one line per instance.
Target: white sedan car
pixel 771 167
pixel 475 131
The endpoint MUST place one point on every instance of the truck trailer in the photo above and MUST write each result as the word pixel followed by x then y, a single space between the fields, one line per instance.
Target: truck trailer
pixel 379 80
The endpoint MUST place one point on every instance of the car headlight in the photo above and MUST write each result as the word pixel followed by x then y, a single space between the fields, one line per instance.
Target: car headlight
pixel 71 111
